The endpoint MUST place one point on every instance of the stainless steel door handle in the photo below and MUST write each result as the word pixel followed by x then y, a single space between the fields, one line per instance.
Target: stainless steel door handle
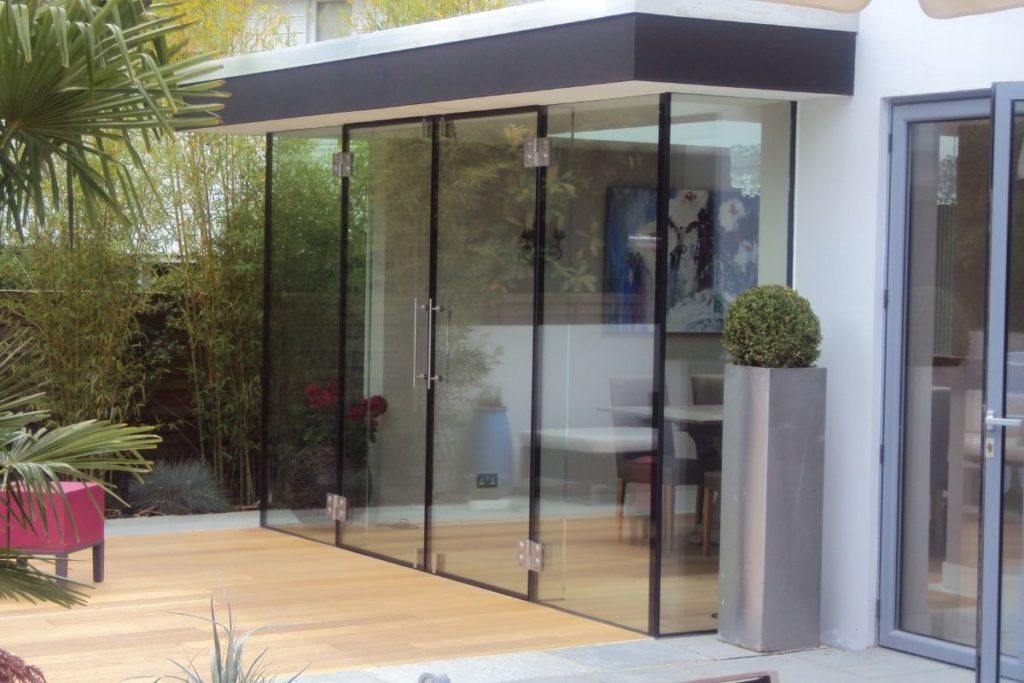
pixel 415 343
pixel 430 343
pixel 991 421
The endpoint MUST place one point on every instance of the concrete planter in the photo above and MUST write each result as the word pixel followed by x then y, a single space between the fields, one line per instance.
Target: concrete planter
pixel 772 478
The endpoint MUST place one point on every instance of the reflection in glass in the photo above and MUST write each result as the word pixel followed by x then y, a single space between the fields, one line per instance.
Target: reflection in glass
pixel 597 358
pixel 943 374
pixel 728 231
pixel 384 418
pixel 302 371
pixel 1013 444
pixel 483 349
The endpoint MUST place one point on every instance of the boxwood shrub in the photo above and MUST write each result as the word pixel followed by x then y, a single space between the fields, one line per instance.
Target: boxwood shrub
pixel 772 326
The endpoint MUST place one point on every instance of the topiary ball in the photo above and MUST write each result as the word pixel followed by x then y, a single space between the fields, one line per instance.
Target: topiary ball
pixel 772 326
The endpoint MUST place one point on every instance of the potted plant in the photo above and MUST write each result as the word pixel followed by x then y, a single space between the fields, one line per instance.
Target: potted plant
pixel 313 470
pixel 772 473
pixel 492 445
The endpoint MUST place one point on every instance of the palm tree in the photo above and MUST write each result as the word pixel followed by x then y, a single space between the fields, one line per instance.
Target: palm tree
pixel 78 80
pixel 34 460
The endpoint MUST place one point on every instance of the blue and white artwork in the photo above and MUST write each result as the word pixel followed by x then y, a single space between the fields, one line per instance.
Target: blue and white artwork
pixel 630 246
pixel 712 255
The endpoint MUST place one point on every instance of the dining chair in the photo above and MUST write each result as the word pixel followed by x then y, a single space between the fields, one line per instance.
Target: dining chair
pixel 637 467
pixel 708 390
pixel 631 467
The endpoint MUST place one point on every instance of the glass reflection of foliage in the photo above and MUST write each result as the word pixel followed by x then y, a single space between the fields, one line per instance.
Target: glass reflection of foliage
pixel 304 266
pixel 579 204
pixel 485 191
pixel 388 231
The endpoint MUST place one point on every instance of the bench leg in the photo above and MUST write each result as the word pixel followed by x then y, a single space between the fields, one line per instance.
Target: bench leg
pixel 62 565
pixel 97 562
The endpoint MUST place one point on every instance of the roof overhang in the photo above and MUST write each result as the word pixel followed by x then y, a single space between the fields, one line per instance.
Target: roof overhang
pixel 544 53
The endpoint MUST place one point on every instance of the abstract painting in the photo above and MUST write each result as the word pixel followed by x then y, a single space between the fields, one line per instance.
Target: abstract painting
pixel 712 255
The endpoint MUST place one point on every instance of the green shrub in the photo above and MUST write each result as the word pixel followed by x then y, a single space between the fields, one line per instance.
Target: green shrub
pixel 178 488
pixel 772 326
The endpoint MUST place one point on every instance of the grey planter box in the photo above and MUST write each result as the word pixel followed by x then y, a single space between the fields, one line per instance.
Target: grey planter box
pixel 772 478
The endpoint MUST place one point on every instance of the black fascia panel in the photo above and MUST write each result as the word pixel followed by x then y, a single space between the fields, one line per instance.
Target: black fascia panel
pixel 609 50
pixel 584 53
pixel 742 55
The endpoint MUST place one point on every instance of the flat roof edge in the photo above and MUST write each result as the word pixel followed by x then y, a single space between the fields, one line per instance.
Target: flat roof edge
pixel 515 19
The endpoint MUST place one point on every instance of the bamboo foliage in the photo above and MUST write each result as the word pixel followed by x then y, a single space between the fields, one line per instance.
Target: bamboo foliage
pixel 216 207
pixel 209 211
pixel 83 309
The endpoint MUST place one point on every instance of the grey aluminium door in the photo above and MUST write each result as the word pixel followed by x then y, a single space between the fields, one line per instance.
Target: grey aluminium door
pixel 934 376
pixel 953 455
pixel 1002 422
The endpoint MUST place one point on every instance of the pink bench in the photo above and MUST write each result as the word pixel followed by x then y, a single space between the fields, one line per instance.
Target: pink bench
pixel 72 527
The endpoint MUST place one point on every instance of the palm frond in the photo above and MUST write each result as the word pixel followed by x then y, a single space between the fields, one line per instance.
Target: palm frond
pixel 21 580
pixel 75 72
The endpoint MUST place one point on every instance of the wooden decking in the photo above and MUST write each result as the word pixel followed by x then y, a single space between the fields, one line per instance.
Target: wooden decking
pixel 332 611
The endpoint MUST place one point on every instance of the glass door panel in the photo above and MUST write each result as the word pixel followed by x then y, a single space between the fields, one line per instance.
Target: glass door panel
pixel 483 349
pixel 596 434
pixel 942 377
pixel 302 333
pixel 728 224
pixel 1003 428
pixel 385 406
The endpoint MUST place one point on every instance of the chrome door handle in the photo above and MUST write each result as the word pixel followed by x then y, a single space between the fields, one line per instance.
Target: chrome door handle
pixel 991 421
pixel 430 342
pixel 415 343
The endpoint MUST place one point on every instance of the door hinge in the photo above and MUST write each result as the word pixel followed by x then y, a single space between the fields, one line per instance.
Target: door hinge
pixel 337 507
pixel 341 164
pixel 890 143
pixel 537 153
pixel 885 299
pixel 530 555
pixel 881 453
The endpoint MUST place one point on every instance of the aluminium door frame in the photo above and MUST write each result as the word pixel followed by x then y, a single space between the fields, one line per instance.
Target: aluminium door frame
pixel 903 113
pixel 991 662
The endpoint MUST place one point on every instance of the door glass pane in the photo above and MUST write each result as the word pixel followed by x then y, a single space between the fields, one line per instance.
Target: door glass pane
pixel 728 231
pixel 943 374
pixel 302 372
pixel 483 349
pixel 388 275
pixel 597 440
pixel 1013 444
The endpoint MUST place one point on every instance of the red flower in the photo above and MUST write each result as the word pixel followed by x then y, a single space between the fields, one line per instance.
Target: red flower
pixel 318 396
pixel 378 405
pixel 357 411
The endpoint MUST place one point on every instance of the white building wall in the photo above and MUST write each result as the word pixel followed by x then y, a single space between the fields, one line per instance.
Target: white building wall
pixel 839 262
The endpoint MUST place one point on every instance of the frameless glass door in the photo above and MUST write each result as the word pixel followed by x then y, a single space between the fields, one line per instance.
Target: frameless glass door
pixel 384 407
pixel 596 432
pixel 1002 426
pixel 483 349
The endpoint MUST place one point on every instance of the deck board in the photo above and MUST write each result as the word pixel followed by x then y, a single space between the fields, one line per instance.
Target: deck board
pixel 333 610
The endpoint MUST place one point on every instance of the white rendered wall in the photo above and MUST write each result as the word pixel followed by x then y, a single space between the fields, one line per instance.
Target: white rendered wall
pixel 839 262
